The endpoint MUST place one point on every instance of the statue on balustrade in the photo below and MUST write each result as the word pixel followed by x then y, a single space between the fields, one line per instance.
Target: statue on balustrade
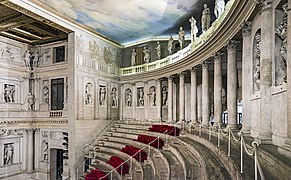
pixel 152 96
pixel 181 37
pixel 133 57
pixel 141 97
pixel 281 32
pixel 8 154
pixel 146 53
pixel 170 45
pixel 205 19
pixel 31 102
pixel 257 57
pixel 102 96
pixel 9 92
pixel 219 7
pixel 194 29
pixel 128 98
pixel 88 94
pixel 164 96
pixel 158 50
pixel 114 97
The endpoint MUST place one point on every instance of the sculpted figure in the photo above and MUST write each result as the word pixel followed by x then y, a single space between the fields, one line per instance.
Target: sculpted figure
pixel 158 50
pixel 31 101
pixel 114 97
pixel 257 57
pixel 181 37
pixel 170 45
pixel 146 57
pixel 219 7
pixel 133 58
pixel 45 150
pixel 129 98
pixel 152 95
pixel 27 57
pixel 88 94
pixel 8 154
pixel 102 96
pixel 9 93
pixel 46 94
pixel 194 29
pixel 36 59
pixel 164 95
pixel 141 97
pixel 205 19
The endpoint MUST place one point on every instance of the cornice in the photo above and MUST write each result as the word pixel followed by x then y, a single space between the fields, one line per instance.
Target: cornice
pixel 239 12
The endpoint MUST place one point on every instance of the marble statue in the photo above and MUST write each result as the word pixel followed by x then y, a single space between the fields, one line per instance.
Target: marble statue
pixel 133 57
pixel 152 96
pixel 219 7
pixel 129 98
pixel 205 19
pixel 45 91
pixel 141 97
pixel 8 154
pixel 9 93
pixel 181 37
pixel 281 32
pixel 164 95
pixel 27 56
pixel 114 97
pixel 158 50
pixel 194 29
pixel 102 96
pixel 257 57
pixel 45 150
pixel 88 94
pixel 31 101
pixel 146 53
pixel 170 45
pixel 35 61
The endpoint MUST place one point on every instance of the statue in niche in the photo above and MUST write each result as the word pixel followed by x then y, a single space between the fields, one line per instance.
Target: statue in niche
pixel 31 101
pixel 128 98
pixel 133 57
pixel 257 57
pixel 46 56
pixel 194 29
pixel 170 45
pixel 205 19
pixel 45 150
pixel 152 96
pixel 8 154
pixel 9 91
pixel 181 37
pixel 141 97
pixel 146 53
pixel 45 92
pixel 164 95
pixel 88 94
pixel 158 50
pixel 219 7
pixel 27 57
pixel 114 97
pixel 102 96
pixel 281 32
pixel 35 61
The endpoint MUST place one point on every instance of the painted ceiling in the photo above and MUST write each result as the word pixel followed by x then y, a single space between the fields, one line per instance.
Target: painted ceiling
pixel 129 21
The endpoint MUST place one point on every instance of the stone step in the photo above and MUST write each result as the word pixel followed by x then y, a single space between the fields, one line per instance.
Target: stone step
pixel 176 169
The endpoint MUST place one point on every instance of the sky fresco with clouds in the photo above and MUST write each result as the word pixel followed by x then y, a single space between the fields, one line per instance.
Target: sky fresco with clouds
pixel 128 21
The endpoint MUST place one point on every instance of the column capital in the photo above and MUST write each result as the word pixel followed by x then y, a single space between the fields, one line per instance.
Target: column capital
pixel 217 56
pixel 182 73
pixel 205 65
pixel 246 28
pixel 232 45
pixel 264 4
pixel 194 69
pixel 30 131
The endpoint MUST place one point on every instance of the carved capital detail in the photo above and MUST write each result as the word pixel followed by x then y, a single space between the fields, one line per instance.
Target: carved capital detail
pixel 194 69
pixel 232 45
pixel 246 28
pixel 218 56
pixel 264 4
pixel 205 65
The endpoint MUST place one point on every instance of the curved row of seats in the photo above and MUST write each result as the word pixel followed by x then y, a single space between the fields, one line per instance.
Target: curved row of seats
pixel 121 167
pixel 135 152
pixel 96 174
pixel 153 141
pixel 162 128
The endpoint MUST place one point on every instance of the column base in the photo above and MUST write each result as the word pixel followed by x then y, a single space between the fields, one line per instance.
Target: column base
pixel 264 138
pixel 246 130
pixel 286 148
pixel 232 126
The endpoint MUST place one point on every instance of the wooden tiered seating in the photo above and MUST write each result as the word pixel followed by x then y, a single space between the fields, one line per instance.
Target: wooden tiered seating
pixel 138 154
pixel 155 142
pixel 96 174
pixel 115 162
pixel 170 130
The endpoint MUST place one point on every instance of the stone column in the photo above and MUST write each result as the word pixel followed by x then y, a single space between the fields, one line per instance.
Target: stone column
pixel 170 98
pixel 37 149
pixel 134 101
pixel 217 89
pixel 158 99
pixel 146 103
pixel 247 71
pixel 266 73
pixel 193 95
pixel 121 103
pixel 182 96
pixel 30 153
pixel 205 94
pixel 24 150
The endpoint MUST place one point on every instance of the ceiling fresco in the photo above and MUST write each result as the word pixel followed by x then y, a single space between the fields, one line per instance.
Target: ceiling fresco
pixel 130 21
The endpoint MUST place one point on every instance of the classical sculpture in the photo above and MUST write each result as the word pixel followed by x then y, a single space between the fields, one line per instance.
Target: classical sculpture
pixel 27 57
pixel 31 101
pixel 8 154
pixel 194 29
pixel 141 97
pixel 152 96
pixel 36 59
pixel 128 98
pixel 45 150
pixel 102 96
pixel 88 94
pixel 114 97
pixel 45 91
pixel 257 57
pixel 170 45
pixel 219 7
pixel 146 53
pixel 164 95
pixel 281 32
pixel 133 58
pixel 158 50
pixel 9 93
pixel 181 37
pixel 205 19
